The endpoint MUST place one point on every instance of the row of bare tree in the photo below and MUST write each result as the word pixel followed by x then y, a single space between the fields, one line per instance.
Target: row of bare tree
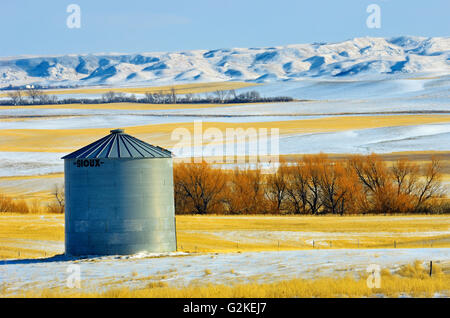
pixel 217 97
pixel 34 96
pixel 313 185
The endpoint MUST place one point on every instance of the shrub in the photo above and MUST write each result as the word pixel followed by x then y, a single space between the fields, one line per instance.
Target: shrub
pixel 313 185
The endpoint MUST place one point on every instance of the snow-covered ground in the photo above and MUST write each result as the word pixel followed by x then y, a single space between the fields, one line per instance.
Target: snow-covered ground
pixel 359 76
pixel 127 120
pixel 179 269
pixel 432 137
pixel 30 163
pixel 305 238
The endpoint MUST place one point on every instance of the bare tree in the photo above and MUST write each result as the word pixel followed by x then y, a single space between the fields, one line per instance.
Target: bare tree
pixel 220 95
pixel 50 99
pixel 313 164
pixel 58 205
pixel 149 98
pixel 132 98
pixel 162 98
pixel 189 97
pixel 297 188
pixel 232 93
pixel 109 96
pixel 16 97
pixel 46 99
pixel 34 94
pixel 336 186
pixel 275 190
pixel 251 96
pixel 377 181
pixel 431 186
pixel 200 187
pixel 406 175
pixel 173 95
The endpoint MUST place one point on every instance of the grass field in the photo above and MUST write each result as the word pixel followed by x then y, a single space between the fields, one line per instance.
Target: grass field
pixel 199 234
pixel 412 280
pixel 277 259
pixel 66 140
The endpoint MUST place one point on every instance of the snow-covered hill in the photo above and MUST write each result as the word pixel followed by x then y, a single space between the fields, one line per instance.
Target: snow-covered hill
pixel 360 58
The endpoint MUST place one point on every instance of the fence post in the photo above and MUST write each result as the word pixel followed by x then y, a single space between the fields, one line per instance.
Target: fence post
pixel 313 243
pixel 431 268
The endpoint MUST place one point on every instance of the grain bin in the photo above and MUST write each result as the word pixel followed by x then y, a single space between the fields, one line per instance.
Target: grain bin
pixel 119 198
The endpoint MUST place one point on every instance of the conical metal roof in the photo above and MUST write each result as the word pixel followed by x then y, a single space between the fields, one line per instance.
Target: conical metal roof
pixel 119 145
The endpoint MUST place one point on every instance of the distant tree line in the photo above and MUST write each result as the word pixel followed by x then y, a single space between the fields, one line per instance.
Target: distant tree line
pixel 37 86
pixel 35 96
pixel 313 185
pixel 30 96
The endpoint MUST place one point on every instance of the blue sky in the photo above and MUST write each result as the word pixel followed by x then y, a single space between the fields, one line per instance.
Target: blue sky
pixel 39 27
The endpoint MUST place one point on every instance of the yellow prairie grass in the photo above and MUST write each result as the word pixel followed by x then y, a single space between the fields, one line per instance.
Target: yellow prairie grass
pixel 66 140
pixel 417 285
pixel 199 234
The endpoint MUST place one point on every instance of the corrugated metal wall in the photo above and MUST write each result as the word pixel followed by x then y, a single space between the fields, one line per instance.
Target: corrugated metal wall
pixel 123 206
